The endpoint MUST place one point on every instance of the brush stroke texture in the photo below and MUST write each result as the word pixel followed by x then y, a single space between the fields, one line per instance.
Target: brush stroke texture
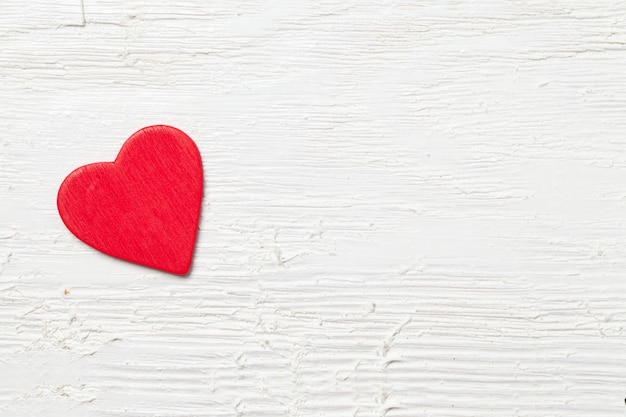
pixel 411 209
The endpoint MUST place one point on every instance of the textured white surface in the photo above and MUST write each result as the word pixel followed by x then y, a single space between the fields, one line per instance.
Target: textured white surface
pixel 412 208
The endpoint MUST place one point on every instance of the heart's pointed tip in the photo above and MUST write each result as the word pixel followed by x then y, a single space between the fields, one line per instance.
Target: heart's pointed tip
pixel 180 266
pixel 181 272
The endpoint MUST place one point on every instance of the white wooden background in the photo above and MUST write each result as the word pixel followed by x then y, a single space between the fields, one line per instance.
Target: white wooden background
pixel 412 208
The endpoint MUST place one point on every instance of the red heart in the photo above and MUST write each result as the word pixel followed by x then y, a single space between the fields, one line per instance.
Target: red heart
pixel 144 207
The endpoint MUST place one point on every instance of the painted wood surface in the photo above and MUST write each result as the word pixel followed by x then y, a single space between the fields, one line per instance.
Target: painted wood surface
pixel 411 208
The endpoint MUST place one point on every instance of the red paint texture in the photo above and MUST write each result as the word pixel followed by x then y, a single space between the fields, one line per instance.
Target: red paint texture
pixel 145 206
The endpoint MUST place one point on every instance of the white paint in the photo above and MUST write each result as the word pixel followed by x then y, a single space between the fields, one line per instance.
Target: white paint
pixel 411 209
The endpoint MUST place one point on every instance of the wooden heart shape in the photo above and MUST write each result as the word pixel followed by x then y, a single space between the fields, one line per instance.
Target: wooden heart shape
pixel 145 206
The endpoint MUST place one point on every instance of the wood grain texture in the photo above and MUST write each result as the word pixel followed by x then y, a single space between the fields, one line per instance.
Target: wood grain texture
pixel 410 209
